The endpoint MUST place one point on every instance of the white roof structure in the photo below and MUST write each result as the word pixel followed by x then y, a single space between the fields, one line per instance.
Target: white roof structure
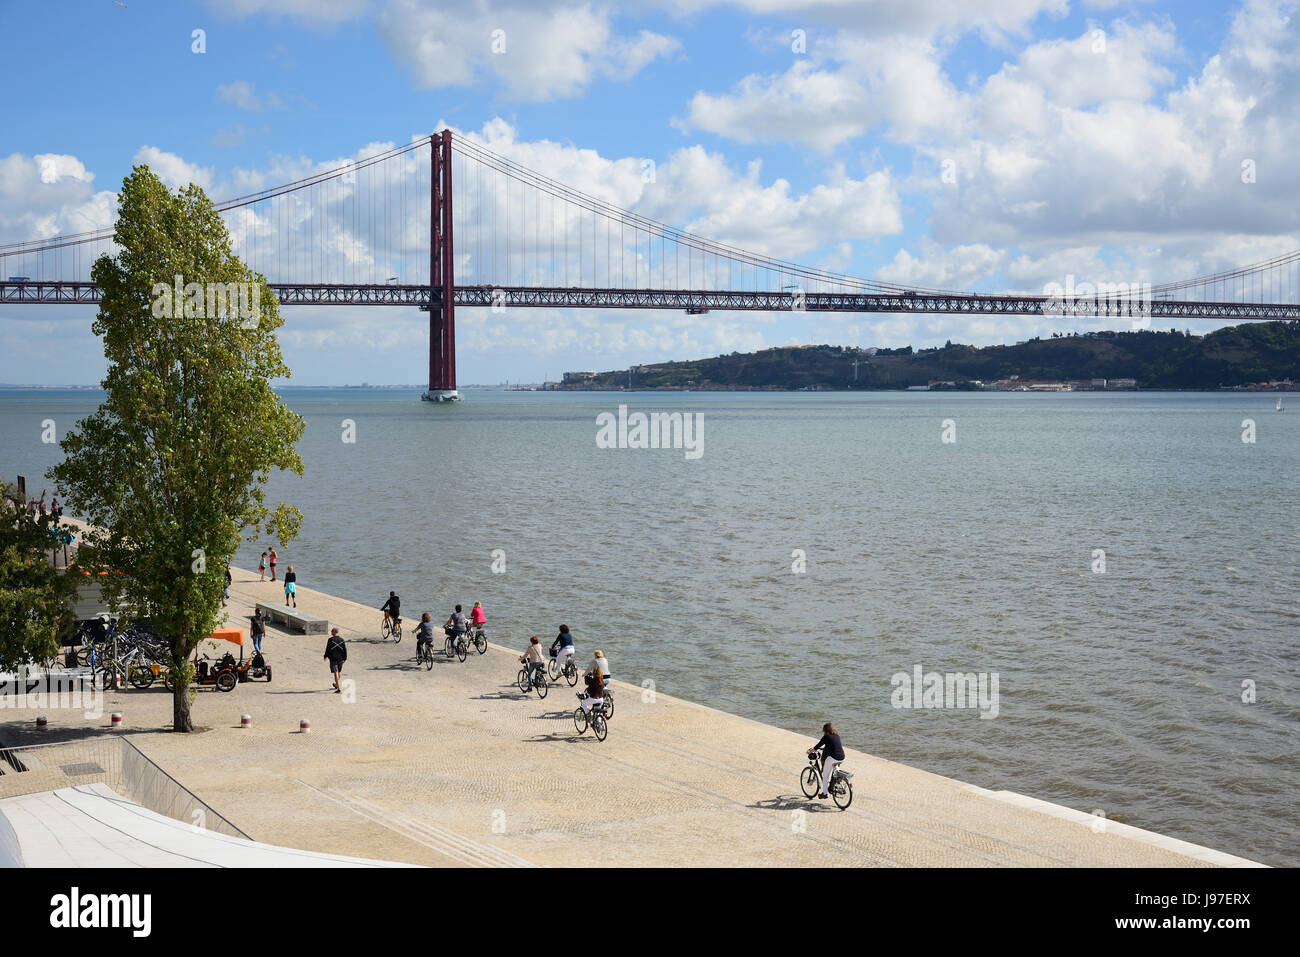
pixel 93 826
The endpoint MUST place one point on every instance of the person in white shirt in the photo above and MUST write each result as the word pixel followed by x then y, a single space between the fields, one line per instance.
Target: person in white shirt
pixel 599 663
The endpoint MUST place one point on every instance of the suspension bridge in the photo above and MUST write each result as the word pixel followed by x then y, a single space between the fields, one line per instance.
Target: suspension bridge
pixel 390 230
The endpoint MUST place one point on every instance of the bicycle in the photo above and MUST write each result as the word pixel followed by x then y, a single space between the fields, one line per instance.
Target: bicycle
pixel 568 669
pixel 479 639
pixel 596 720
pixel 527 683
pixel 457 645
pixel 392 628
pixel 841 783
pixel 424 655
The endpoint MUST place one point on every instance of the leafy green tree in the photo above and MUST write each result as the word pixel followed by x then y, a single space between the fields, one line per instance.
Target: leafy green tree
pixel 35 613
pixel 170 469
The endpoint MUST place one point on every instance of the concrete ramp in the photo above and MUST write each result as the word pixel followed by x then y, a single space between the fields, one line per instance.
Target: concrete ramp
pixel 93 826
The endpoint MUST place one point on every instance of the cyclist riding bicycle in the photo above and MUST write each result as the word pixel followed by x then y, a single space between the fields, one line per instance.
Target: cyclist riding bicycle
pixel 477 616
pixel 562 647
pixel 455 626
pixel 595 693
pixel 533 657
pixel 423 634
pixel 599 663
pixel 392 608
pixel 832 755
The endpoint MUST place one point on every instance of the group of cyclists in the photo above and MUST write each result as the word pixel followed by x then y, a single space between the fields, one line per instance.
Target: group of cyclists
pixel 595 678
pixel 828 749
pixel 457 624
pixel 454 627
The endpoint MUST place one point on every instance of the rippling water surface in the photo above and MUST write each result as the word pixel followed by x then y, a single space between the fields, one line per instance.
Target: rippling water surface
pixel 1119 691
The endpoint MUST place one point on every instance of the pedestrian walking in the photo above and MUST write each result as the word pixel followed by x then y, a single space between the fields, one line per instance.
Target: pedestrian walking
pixel 336 652
pixel 258 629
pixel 229 579
pixel 273 559
pixel 261 567
pixel 291 587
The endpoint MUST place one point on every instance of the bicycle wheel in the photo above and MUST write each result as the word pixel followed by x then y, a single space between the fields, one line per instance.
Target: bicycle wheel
pixel 450 647
pixel 462 649
pixel 226 681
pixel 552 671
pixel 521 680
pixel 570 672
pixel 386 630
pixel 842 793
pixel 609 703
pixel 580 719
pixel 141 677
pixel 598 725
pixel 397 632
pixel 540 684
pixel 428 657
pixel 480 643
pixel 810 781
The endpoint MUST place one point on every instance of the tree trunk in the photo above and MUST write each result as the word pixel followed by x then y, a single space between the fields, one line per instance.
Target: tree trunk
pixel 181 720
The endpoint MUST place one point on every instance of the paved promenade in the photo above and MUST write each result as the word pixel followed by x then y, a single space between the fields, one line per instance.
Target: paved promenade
pixel 455 767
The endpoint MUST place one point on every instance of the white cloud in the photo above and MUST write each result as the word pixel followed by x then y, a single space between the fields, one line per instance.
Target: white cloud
pixel 538 52
pixel 173 170
pixel 47 195
pixel 242 94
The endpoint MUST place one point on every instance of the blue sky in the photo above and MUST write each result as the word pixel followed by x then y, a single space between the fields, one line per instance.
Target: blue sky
pixel 1101 140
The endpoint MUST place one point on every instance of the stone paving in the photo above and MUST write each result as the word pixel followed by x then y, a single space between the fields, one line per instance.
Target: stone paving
pixel 455 767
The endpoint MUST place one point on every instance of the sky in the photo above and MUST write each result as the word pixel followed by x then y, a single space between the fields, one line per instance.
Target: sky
pixel 986 145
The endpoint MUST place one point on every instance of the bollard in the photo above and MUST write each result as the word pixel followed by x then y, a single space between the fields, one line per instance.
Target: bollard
pixel 117 719
pixel 245 720
pixel 41 722
pixel 304 725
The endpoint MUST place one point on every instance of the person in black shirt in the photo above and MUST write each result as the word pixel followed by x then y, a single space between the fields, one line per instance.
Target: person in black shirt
pixel 392 607
pixel 832 754
pixel 336 651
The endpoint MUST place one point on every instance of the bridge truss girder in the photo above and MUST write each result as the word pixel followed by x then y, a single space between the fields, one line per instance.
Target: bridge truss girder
pixel 35 292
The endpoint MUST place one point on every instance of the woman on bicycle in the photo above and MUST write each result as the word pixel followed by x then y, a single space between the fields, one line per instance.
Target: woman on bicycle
pixel 477 616
pixel 595 693
pixel 533 657
pixel 562 647
pixel 601 664
pixel 423 634
pixel 832 755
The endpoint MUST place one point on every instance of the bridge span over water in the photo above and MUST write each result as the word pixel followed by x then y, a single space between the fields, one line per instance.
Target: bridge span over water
pixel 443 222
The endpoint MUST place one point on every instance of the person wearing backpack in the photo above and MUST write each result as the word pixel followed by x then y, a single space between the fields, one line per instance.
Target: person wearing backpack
pixel 336 652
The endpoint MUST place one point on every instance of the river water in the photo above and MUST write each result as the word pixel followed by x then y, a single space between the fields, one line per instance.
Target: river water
pixel 824 543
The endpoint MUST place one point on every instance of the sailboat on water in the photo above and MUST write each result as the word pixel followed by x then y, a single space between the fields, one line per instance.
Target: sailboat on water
pixel 1279 404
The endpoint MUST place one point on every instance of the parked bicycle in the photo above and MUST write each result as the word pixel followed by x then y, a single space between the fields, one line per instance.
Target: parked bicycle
pixel 841 783
pixel 595 720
